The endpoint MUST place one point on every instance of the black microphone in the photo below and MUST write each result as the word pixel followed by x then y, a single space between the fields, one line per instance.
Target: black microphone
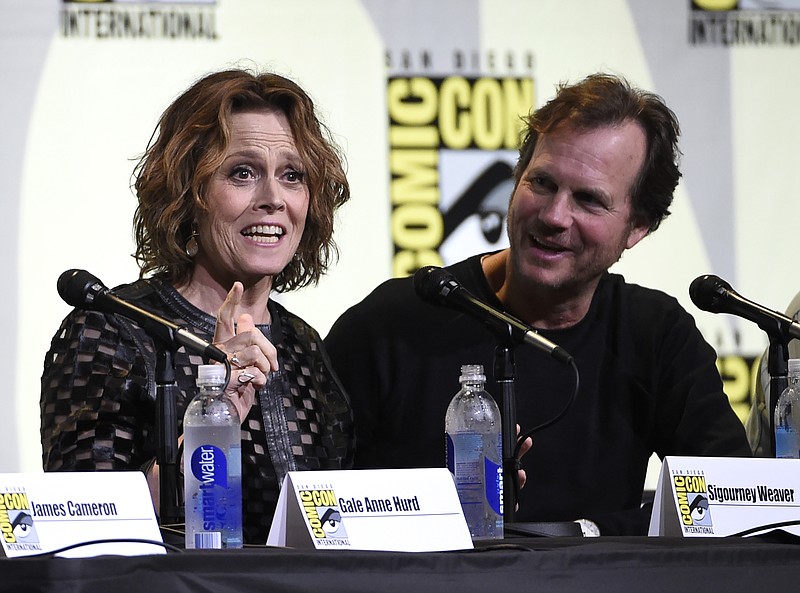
pixel 438 286
pixel 81 289
pixel 713 294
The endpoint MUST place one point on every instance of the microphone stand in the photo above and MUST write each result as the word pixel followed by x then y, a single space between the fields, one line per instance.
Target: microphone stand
pixel 504 376
pixel 170 511
pixel 778 367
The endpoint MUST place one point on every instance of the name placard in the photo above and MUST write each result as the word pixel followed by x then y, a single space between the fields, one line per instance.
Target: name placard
pixel 404 510
pixel 724 496
pixel 45 512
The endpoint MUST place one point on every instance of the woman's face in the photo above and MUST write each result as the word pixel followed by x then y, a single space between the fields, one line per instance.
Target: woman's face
pixel 258 201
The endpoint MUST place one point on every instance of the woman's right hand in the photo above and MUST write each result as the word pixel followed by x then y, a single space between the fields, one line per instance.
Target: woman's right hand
pixel 251 354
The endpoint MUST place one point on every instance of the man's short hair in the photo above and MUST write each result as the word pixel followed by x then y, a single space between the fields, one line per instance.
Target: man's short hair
pixel 606 100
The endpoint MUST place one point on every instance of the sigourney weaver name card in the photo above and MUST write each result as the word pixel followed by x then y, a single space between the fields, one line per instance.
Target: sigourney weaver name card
pixel 409 510
pixel 43 512
pixel 723 496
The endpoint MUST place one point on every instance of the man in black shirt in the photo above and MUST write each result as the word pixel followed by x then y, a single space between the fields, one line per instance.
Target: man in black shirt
pixel 596 174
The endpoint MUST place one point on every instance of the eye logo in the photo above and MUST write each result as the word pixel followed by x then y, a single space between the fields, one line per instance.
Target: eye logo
pixel 331 522
pixel 322 514
pixel 22 525
pixel 691 497
pixel 698 509
pixel 16 521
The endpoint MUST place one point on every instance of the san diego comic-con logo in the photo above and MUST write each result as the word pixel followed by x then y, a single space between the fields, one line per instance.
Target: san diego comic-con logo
pixel 691 495
pixel 323 516
pixel 728 23
pixel 16 522
pixel 443 131
pixel 139 19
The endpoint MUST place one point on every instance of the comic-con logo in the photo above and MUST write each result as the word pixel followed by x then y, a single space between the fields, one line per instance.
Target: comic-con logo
pixel 452 148
pixel 729 23
pixel 322 514
pixel 16 519
pixel 691 495
pixel 138 19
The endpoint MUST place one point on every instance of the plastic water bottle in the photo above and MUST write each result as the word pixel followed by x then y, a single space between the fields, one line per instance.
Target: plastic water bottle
pixel 475 454
pixel 787 415
pixel 212 463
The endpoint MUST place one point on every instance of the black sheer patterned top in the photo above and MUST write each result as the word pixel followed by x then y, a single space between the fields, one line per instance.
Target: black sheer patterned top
pixel 98 399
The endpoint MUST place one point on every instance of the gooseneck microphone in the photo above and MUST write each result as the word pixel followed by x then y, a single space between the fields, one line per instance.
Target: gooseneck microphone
pixel 81 289
pixel 438 286
pixel 711 293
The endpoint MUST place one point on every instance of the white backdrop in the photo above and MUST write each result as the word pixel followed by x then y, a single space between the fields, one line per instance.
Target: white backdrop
pixel 77 110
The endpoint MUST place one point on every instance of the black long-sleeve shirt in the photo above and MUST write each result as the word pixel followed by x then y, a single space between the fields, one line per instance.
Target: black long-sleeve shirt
pixel 648 383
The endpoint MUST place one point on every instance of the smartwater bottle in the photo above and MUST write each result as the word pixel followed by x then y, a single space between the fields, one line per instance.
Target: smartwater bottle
pixel 787 416
pixel 475 454
pixel 212 465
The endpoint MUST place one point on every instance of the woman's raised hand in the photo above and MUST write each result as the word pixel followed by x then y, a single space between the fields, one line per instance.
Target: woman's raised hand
pixel 252 356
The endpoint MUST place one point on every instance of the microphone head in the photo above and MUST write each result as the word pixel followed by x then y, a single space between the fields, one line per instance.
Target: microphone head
pixel 78 287
pixel 707 292
pixel 434 284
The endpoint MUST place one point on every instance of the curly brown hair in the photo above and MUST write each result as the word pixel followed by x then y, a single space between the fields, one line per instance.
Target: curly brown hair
pixel 188 146
pixel 608 100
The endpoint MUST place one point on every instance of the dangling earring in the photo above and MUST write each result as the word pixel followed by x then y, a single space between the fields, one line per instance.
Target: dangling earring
pixel 191 245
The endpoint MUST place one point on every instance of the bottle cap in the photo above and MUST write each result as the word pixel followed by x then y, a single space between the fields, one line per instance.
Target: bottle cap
pixel 211 374
pixel 472 373
pixel 794 366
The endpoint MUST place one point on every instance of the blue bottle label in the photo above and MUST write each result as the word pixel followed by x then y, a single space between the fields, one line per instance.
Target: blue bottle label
pixel 210 466
pixel 787 443
pixel 494 484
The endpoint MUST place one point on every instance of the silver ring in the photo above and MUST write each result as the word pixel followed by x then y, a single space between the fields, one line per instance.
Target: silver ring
pixel 235 361
pixel 246 377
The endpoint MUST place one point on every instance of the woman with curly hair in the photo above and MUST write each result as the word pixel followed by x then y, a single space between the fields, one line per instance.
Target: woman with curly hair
pixel 236 196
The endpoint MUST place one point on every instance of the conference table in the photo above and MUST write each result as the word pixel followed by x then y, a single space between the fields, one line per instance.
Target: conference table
pixel 548 564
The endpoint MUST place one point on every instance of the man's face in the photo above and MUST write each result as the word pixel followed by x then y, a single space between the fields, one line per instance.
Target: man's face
pixel 570 215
